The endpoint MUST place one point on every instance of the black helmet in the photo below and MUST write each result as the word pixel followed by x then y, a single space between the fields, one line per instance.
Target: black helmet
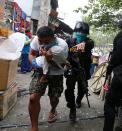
pixel 82 27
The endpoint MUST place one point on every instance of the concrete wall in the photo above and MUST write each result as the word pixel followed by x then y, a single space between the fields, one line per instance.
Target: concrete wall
pixel 40 14
pixel 44 12
pixel 36 9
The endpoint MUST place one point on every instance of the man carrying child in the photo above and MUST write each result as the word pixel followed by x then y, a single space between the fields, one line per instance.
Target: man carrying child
pixel 52 50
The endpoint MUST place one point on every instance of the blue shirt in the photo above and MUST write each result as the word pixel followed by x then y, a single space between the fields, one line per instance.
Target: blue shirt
pixel 26 47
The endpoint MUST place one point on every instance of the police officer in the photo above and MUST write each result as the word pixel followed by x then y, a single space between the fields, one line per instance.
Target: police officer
pixel 79 71
pixel 114 95
pixel 119 123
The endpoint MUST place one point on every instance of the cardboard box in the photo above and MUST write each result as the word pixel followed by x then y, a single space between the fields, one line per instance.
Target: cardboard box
pixel 8 70
pixel 8 99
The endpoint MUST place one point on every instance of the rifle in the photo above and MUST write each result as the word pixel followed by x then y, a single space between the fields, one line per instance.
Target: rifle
pixel 88 99
pixel 85 86
pixel 84 80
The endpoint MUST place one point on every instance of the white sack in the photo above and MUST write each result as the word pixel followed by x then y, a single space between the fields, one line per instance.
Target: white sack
pixel 11 48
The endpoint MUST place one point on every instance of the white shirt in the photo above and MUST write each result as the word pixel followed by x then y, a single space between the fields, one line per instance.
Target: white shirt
pixel 36 46
pixel 60 53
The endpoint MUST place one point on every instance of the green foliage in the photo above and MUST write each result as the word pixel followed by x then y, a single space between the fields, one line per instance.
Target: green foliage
pixel 102 39
pixel 114 4
pixel 102 14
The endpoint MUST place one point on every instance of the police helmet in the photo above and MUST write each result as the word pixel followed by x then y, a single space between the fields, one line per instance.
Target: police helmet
pixel 82 27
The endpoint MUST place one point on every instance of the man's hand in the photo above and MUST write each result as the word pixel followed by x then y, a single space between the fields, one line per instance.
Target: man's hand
pixel 81 46
pixel 78 47
pixel 48 55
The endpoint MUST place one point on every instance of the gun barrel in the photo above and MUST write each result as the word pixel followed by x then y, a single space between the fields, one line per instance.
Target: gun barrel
pixel 87 100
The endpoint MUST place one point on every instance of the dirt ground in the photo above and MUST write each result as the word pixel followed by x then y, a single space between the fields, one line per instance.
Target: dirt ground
pixel 88 119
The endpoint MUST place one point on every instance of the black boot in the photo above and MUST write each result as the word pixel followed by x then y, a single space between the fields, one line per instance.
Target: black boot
pixel 72 114
pixel 78 103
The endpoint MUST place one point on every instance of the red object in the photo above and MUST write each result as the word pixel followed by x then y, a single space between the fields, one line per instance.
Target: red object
pixel 106 87
pixel 16 6
pixel 29 34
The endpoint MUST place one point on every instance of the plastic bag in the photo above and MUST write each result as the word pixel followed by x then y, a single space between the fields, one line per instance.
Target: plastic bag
pixel 11 48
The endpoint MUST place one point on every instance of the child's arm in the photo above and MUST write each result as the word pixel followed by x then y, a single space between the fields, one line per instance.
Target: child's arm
pixel 40 61
pixel 27 42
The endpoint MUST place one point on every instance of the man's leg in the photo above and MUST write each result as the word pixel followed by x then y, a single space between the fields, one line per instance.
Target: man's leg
pixel 34 109
pixel 70 96
pixel 36 89
pixel 53 102
pixel 55 90
pixel 80 96
pixel 82 89
pixel 109 113
pixel 69 92
pixel 53 113
pixel 119 124
pixel 113 99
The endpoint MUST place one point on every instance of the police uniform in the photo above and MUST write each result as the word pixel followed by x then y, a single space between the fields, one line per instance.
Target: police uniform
pixel 114 95
pixel 79 72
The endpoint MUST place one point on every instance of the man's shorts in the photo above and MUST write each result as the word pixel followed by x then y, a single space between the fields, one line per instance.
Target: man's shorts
pixel 55 85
